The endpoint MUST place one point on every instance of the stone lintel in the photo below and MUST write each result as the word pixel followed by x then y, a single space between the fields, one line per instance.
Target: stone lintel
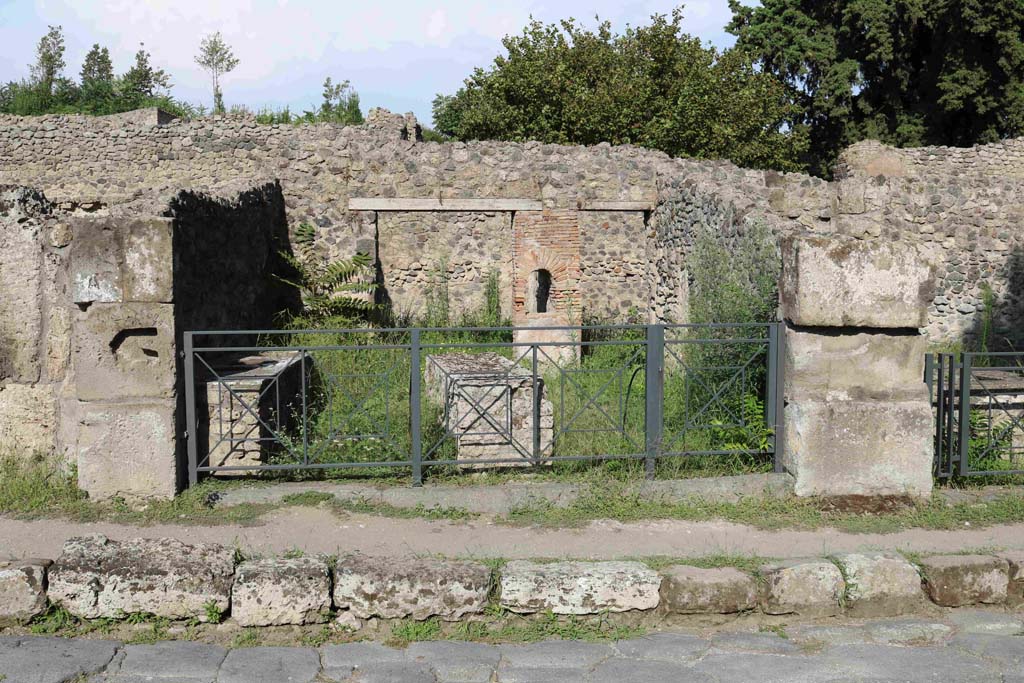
pixel 427 204
pixel 616 205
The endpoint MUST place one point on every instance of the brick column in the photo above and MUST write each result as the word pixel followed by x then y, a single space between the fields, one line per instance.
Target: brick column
pixel 858 418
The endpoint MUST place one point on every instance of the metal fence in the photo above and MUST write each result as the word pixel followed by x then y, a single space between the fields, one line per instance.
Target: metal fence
pixel 979 413
pixel 472 398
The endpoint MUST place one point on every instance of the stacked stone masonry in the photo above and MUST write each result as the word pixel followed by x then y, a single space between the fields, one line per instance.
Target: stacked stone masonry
pixel 96 577
pixel 858 419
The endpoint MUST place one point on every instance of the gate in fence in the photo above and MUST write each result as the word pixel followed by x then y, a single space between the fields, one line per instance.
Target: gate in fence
pixel 979 412
pixel 472 398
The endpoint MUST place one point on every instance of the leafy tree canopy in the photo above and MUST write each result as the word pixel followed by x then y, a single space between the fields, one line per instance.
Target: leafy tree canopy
pixel 907 72
pixel 653 86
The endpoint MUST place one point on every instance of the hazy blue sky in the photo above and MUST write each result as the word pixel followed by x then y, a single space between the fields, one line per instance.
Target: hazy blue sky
pixel 397 53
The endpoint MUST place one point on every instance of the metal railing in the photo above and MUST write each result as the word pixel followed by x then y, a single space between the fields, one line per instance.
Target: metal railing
pixel 469 398
pixel 978 400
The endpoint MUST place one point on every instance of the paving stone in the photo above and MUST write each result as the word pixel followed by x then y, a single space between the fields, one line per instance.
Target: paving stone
pixel 540 675
pixel 764 643
pixel 177 660
pixel 52 660
pixel 396 672
pixel 744 668
pixel 828 636
pixel 909 632
pixel 629 670
pixel 341 660
pixel 912 664
pixel 989 623
pixel 270 665
pixel 808 588
pixel 958 580
pixel 880 584
pixel 456 662
pixel 695 590
pixel 669 647
pixel 578 587
pixel 1007 651
pixel 564 654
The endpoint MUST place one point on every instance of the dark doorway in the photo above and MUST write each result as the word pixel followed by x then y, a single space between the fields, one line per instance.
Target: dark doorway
pixel 541 286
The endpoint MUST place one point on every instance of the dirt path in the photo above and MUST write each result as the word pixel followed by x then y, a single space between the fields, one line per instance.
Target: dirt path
pixel 320 531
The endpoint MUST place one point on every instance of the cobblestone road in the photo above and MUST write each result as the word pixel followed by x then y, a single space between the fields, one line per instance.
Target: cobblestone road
pixel 976 646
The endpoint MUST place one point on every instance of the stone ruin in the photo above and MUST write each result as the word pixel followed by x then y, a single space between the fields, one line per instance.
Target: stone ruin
pixel 118 234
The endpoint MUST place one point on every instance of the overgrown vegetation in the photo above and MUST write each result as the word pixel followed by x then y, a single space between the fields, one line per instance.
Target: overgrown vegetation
pixel 652 85
pixel 340 104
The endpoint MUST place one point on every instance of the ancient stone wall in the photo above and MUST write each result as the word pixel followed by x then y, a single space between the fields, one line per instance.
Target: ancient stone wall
pixel 93 313
pixel 961 204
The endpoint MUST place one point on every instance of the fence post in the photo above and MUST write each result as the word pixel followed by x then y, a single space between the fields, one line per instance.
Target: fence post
pixel 191 439
pixel 415 423
pixel 536 404
pixel 965 414
pixel 654 393
pixel 775 408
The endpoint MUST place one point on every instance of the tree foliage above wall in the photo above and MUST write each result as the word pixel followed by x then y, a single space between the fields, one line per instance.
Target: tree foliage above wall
pixel 907 72
pixel 653 86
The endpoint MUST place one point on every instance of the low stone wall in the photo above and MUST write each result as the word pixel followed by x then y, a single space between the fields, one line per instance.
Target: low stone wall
pixel 98 578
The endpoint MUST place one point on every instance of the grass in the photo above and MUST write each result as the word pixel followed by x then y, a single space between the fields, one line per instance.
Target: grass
pixel 505 627
pixel 615 501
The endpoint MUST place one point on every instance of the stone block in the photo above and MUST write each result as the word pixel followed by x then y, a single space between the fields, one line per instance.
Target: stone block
pixel 578 587
pixel 127 449
pixel 694 590
pixel 28 418
pixel 58 343
pixel 880 584
pixel 859 448
pixel 124 351
pixel 95 261
pixel 1015 587
pixel 845 282
pixel 958 580
pixel 22 590
pixel 32 659
pixel 828 364
pixel 420 588
pixel 270 665
pixel 21 319
pixel 148 257
pixel 278 591
pixel 97 577
pixel 804 587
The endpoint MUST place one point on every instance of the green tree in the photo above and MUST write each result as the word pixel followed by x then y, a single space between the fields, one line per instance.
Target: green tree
pixel 97 80
pixel 907 72
pixel 216 57
pixel 340 104
pixel 653 86
pixel 49 60
pixel 142 83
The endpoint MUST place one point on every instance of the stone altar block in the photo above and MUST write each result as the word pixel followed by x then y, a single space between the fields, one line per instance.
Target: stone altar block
pixel 490 408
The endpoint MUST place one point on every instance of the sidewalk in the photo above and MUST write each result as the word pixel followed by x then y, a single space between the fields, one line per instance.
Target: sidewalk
pixel 315 531
pixel 981 646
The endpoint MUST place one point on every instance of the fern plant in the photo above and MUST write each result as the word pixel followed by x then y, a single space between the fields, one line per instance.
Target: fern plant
pixel 331 291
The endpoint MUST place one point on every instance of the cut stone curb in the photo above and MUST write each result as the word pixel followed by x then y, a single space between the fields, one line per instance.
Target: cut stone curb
pixel 578 587
pixel 410 587
pixel 880 584
pixel 805 587
pixel 1015 588
pixel 958 580
pixel 96 577
pixel 693 590
pixel 22 590
pixel 279 591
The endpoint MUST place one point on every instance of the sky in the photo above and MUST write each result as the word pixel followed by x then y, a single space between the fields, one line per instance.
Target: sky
pixel 397 54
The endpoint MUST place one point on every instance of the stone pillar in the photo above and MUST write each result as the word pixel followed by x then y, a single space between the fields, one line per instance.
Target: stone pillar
pixel 858 418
